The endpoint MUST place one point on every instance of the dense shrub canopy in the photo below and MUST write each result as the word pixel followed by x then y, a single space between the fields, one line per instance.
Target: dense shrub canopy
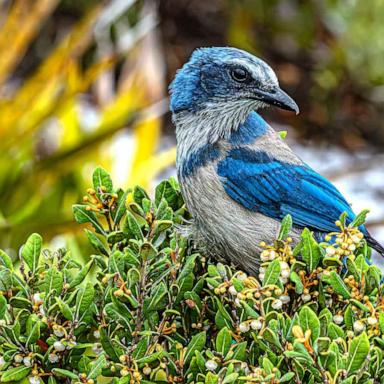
pixel 147 308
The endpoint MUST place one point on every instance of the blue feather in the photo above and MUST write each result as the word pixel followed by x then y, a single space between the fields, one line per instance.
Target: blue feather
pixel 263 184
pixel 197 159
pixel 253 127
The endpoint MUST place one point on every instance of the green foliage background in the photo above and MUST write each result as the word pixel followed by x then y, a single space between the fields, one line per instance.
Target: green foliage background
pixel 148 308
pixel 76 76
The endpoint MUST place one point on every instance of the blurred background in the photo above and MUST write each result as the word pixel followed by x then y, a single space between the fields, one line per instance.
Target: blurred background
pixel 84 83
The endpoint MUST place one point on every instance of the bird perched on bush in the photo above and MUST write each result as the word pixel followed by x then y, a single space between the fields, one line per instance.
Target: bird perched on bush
pixel 238 177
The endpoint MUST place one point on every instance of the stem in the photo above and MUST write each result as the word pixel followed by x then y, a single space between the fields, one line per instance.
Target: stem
pixel 141 296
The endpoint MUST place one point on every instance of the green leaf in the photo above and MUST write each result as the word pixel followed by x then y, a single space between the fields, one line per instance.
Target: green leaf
pixel 6 279
pixel 148 251
pixel 101 179
pixel 34 335
pixel 53 280
pixel 381 322
pixel 97 366
pixel 309 320
pixel 80 276
pixel 334 331
pixel 282 134
pixel 5 260
pixel 84 299
pixel 231 378
pixel 3 306
pixel 107 345
pixel 64 309
pixel 119 211
pixel 31 250
pixel 358 352
pixel 272 273
pixel 285 228
pixel 360 218
pixel 139 194
pixel 161 226
pixel 150 358
pixel 82 216
pixel 211 378
pixel 197 343
pixel 65 373
pixel 165 190
pixel 114 314
pixel 361 264
pixel 223 341
pixel 295 278
pixel 287 377
pixel 141 348
pixel 310 250
pixel 96 242
pixel 15 374
pixel 338 285
pixel 157 299
pixel 132 227
pixel 360 305
pixel 240 351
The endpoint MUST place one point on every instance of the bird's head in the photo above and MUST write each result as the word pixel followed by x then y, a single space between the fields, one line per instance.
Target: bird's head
pixel 226 77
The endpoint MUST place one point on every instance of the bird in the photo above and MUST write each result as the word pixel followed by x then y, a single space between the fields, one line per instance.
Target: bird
pixel 238 177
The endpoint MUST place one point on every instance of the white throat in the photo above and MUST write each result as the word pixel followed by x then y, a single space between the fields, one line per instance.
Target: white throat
pixel 213 123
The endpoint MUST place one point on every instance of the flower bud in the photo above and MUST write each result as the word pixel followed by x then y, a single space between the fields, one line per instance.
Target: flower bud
pixel 277 304
pixel 256 325
pixel 27 361
pixel 338 319
pixel 211 365
pixel 372 320
pixel 37 300
pixel 53 358
pixel 147 370
pixel 96 334
pixel 356 239
pixel 241 276
pixel 18 358
pixel 284 265
pixel 244 327
pixel 285 273
pixel 285 299
pixel 232 290
pixel 34 379
pixel 59 346
pixel 96 348
pixel 58 330
pixel 264 256
pixel 358 326
pixel 306 297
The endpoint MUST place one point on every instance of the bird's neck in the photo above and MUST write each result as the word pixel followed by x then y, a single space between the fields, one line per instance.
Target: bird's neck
pixel 207 126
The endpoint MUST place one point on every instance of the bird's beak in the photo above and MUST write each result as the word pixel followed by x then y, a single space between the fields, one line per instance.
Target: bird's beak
pixel 278 98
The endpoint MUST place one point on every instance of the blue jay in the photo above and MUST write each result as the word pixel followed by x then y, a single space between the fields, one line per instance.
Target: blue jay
pixel 238 177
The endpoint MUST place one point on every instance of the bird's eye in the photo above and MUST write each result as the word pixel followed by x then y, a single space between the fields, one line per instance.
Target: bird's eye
pixel 239 74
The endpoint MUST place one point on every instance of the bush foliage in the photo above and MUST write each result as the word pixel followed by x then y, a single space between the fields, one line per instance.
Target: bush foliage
pixel 147 308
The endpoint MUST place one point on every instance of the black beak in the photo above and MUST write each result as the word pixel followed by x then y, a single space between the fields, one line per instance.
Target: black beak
pixel 278 98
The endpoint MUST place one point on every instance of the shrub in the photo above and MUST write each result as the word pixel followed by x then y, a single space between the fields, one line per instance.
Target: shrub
pixel 147 308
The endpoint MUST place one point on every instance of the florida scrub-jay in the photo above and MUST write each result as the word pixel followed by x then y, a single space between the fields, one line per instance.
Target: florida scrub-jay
pixel 238 177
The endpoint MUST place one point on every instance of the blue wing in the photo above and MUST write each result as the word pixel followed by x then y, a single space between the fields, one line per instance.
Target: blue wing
pixel 275 189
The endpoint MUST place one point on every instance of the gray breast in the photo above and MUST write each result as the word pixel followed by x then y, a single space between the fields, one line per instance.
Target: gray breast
pixel 224 227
